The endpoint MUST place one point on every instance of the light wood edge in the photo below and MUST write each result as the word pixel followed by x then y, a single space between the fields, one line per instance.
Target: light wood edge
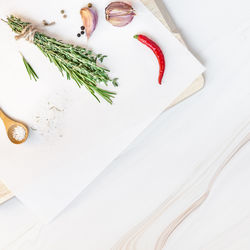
pixel 196 86
pixel 5 193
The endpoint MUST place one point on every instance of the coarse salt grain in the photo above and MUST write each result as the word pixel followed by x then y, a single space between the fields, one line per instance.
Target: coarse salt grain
pixel 48 122
pixel 18 133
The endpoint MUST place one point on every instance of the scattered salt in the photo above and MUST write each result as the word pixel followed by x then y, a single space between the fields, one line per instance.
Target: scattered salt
pixel 18 133
pixel 48 121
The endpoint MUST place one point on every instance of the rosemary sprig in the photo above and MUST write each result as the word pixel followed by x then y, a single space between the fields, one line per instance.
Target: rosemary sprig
pixel 75 62
pixel 30 70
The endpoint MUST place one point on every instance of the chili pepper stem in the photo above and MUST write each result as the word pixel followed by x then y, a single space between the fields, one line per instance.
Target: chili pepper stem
pixel 136 36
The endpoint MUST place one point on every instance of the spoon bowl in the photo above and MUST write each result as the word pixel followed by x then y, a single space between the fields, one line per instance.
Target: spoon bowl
pixel 11 133
pixel 17 132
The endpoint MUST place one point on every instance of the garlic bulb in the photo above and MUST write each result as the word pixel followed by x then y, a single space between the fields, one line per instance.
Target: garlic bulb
pixel 89 18
pixel 119 13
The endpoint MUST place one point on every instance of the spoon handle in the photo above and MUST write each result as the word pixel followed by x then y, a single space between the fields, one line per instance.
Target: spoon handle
pixel 1 114
pixel 6 120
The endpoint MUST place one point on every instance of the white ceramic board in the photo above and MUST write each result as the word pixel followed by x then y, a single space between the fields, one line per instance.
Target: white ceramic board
pixel 50 170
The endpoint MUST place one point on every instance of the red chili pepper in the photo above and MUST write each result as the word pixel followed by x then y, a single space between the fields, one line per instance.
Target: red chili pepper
pixel 157 51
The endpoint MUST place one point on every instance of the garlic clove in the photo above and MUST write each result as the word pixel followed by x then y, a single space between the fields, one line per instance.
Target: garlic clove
pixel 89 18
pixel 119 13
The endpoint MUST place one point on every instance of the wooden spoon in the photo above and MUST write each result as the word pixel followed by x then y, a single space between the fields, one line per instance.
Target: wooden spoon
pixel 11 126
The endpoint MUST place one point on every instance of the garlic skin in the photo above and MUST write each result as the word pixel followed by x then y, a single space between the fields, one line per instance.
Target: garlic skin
pixel 119 14
pixel 90 19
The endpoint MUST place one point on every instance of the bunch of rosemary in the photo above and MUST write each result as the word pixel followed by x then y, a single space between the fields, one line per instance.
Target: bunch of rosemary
pixel 76 62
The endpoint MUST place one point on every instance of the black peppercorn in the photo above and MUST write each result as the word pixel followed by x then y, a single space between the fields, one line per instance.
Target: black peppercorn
pixel 82 28
pixel 82 32
pixel 78 34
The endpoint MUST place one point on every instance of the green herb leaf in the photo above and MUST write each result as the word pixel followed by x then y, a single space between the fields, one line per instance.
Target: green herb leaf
pixel 102 58
pixel 30 70
pixel 114 82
